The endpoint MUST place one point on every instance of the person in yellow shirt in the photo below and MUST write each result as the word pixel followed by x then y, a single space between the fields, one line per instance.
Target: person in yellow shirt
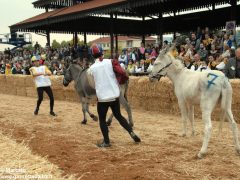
pixel 8 69
pixel 43 83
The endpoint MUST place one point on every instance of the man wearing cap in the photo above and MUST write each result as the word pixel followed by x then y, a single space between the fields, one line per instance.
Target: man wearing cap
pixel 108 92
pixel 42 81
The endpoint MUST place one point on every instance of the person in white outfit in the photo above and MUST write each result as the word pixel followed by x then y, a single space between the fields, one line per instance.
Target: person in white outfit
pixel 43 83
pixel 108 92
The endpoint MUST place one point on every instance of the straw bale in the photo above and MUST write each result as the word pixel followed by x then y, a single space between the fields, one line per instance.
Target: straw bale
pixel 59 95
pixel 57 82
pixel 21 91
pixel 29 81
pixel 10 80
pixel 71 96
pixel 21 161
pixel 19 80
pixel 31 92
pixel 10 89
pixel 3 89
pixel 2 80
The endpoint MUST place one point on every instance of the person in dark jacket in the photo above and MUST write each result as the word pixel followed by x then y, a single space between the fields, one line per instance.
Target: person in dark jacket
pixel 232 68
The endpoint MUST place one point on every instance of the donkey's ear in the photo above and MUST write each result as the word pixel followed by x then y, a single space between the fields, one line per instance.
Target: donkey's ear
pixel 162 52
pixel 173 51
pixel 173 47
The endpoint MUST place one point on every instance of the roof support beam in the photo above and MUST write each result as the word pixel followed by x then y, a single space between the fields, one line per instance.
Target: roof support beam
pixel 111 34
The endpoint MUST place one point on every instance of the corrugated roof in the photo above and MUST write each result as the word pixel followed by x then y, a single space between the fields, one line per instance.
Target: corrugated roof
pixel 39 17
pixel 78 8
pixel 88 6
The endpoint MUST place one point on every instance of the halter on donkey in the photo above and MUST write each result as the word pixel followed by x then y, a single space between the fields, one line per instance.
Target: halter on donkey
pixel 191 88
pixel 84 85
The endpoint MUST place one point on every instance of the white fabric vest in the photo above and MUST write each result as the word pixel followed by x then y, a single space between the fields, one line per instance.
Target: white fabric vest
pixel 41 81
pixel 106 84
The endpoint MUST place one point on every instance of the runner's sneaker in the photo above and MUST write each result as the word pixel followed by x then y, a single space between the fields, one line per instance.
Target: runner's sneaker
pixel 103 145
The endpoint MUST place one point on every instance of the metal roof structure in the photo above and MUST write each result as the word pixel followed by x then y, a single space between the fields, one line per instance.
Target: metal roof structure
pixel 106 16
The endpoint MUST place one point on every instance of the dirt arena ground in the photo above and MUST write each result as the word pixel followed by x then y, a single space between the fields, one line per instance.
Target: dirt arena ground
pixel 163 154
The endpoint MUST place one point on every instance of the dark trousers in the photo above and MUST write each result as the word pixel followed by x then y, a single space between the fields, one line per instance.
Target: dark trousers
pixel 49 92
pixel 102 108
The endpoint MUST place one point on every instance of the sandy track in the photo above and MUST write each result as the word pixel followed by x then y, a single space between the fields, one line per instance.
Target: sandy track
pixel 163 154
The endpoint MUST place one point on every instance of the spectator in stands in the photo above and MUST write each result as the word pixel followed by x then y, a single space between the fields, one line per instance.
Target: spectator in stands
pixel 187 62
pixel 130 55
pixel 8 69
pixel 141 68
pixel 227 40
pixel 197 62
pixel 131 66
pixel 211 62
pixel 195 42
pixel 141 51
pixel 17 69
pixel 221 65
pixel 213 50
pixel 55 69
pixel 154 52
pixel 207 42
pixel 202 52
pixel 150 67
pixel 148 49
pixel 232 68
pixel 123 57
pixel 226 51
pixel 182 52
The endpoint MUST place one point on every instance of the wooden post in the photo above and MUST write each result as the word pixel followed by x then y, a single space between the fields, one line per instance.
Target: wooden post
pixel 48 37
pixel 85 38
pixel 233 9
pixel 116 40
pixel 143 36
pixel 75 39
pixel 160 30
pixel 111 34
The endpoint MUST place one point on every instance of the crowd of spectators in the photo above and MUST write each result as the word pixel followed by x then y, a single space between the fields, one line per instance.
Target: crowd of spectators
pixel 200 51
pixel 57 60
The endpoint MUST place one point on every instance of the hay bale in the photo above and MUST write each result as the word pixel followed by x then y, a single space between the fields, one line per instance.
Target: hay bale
pixel 71 95
pixel 57 82
pixel 2 80
pixel 31 92
pixel 21 91
pixel 10 89
pixel 29 81
pixel 3 89
pixel 59 95
pixel 10 79
pixel 19 80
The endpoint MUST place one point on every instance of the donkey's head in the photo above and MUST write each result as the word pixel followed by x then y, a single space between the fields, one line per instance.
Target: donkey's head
pixel 71 74
pixel 67 76
pixel 162 64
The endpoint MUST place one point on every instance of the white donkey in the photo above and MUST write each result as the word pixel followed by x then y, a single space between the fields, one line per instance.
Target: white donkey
pixel 193 88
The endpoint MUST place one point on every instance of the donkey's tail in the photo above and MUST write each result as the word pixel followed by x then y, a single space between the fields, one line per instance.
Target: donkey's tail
pixel 226 99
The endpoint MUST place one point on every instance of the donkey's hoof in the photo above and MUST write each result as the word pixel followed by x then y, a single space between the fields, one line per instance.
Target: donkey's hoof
pixel 183 135
pixel 131 124
pixel 109 122
pixel 201 155
pixel 238 152
pixel 84 122
pixel 94 118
